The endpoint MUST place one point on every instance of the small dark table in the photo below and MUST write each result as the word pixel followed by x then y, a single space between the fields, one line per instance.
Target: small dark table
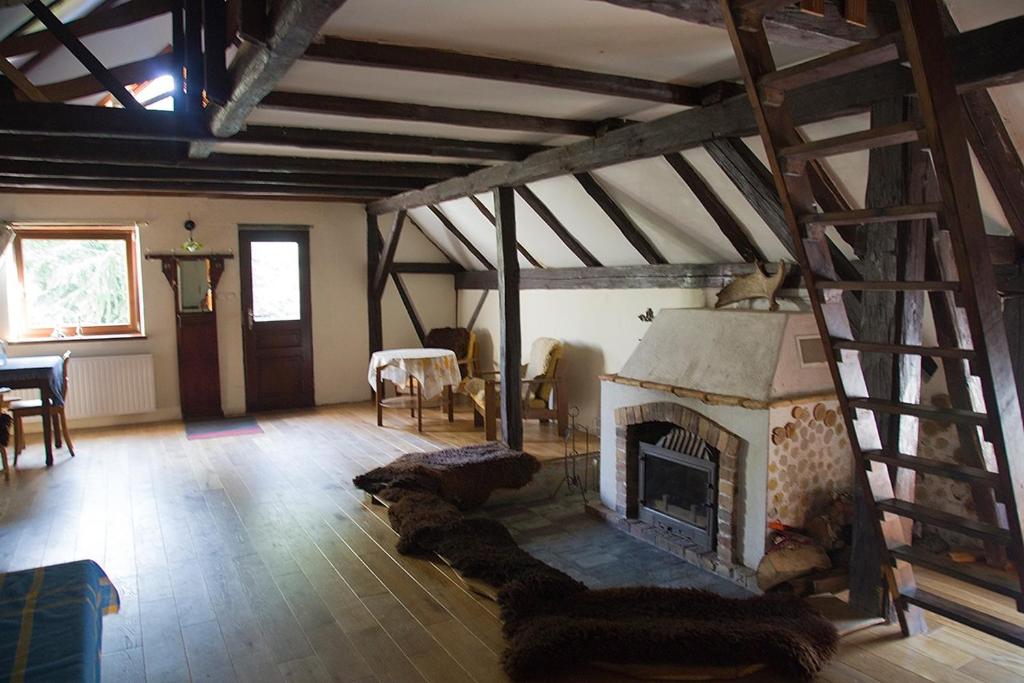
pixel 45 373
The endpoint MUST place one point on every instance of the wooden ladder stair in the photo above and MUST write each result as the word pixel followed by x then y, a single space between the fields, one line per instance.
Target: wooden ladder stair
pixel 959 284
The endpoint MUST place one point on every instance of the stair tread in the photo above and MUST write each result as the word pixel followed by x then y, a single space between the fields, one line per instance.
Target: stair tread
pixel 968 616
pixel 946 520
pixel 917 410
pixel 979 575
pixel 871 53
pixel 890 285
pixel 894 134
pixel 938 467
pixel 904 349
pixel 907 212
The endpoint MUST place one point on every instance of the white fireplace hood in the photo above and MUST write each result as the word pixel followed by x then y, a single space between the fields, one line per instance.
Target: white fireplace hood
pixel 732 356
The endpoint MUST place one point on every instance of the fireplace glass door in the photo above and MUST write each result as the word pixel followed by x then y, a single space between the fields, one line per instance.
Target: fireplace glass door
pixel 679 492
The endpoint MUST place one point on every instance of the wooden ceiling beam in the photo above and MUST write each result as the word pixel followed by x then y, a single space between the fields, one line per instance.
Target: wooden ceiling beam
pixel 493 221
pixel 257 68
pixel 403 111
pixel 789 26
pixel 646 276
pixel 70 121
pixel 336 50
pixel 172 155
pixel 83 55
pixel 186 187
pixel 620 219
pixel 130 12
pixel 727 223
pixel 992 55
pixel 563 234
pixel 321 138
pixel 145 171
pixel 457 234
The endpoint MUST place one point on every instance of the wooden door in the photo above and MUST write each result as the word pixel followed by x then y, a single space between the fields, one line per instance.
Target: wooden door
pixel 276 319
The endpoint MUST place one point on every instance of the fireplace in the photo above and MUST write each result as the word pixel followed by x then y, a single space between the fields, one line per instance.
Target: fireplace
pixel 719 425
pixel 679 487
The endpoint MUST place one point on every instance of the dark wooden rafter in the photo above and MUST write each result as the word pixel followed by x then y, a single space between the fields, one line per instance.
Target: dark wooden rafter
pixel 407 111
pixel 128 13
pixel 620 218
pixel 214 50
pixel 131 73
pixel 83 55
pixel 193 70
pixel 457 234
pixel 451 261
pixel 790 25
pixel 40 56
pixel 753 179
pixel 320 138
pixel 493 221
pixel 716 208
pixel 984 57
pixel 511 396
pixel 388 254
pixel 256 68
pixel 30 20
pixel 17 77
pixel 168 155
pixel 644 276
pixel 432 60
pixel 144 171
pixel 996 153
pixel 563 234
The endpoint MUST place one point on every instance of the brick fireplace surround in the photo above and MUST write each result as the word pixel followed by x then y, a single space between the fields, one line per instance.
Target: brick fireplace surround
pixel 630 421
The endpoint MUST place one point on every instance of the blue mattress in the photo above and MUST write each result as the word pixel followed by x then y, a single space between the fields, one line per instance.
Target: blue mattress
pixel 51 622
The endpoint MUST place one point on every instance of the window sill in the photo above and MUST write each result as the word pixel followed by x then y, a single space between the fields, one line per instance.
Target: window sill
pixel 76 340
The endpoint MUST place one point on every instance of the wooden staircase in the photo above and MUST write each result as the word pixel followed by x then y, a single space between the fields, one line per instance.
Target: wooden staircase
pixel 947 261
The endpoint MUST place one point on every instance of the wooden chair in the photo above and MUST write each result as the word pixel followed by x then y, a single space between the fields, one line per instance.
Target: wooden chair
pixel 5 431
pixel 22 408
pixel 458 340
pixel 543 386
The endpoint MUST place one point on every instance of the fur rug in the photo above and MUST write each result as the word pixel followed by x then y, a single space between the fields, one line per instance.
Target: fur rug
pixel 662 625
pixel 553 622
pixel 464 477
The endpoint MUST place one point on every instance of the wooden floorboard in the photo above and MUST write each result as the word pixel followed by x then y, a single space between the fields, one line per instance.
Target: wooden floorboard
pixel 253 558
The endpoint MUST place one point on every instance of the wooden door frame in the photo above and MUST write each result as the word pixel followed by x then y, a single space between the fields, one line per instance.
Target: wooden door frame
pixel 275 233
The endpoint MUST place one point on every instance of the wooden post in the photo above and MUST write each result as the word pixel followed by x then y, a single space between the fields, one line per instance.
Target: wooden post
pixel 508 302
pixel 887 186
pixel 373 310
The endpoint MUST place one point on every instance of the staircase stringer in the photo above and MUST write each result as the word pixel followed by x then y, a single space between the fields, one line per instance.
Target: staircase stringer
pixel 778 130
pixel 941 113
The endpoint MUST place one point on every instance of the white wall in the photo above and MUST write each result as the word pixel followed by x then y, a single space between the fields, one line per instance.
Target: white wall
pixel 338 280
pixel 600 328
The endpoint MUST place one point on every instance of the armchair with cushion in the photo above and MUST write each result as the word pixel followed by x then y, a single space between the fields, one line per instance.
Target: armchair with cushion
pixel 544 395
pixel 460 341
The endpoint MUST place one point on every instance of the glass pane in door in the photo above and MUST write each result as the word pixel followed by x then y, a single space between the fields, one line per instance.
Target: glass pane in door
pixel 276 294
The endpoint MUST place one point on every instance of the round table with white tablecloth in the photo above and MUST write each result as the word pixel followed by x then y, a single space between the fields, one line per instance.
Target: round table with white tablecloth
pixel 427 372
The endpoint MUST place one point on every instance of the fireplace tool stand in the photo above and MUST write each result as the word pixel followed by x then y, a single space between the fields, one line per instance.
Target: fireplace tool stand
pixel 572 455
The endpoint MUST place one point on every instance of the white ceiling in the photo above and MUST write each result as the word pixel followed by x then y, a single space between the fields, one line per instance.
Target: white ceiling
pixel 581 34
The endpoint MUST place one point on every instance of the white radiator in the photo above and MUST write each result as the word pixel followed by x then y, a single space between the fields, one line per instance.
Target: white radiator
pixel 103 386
